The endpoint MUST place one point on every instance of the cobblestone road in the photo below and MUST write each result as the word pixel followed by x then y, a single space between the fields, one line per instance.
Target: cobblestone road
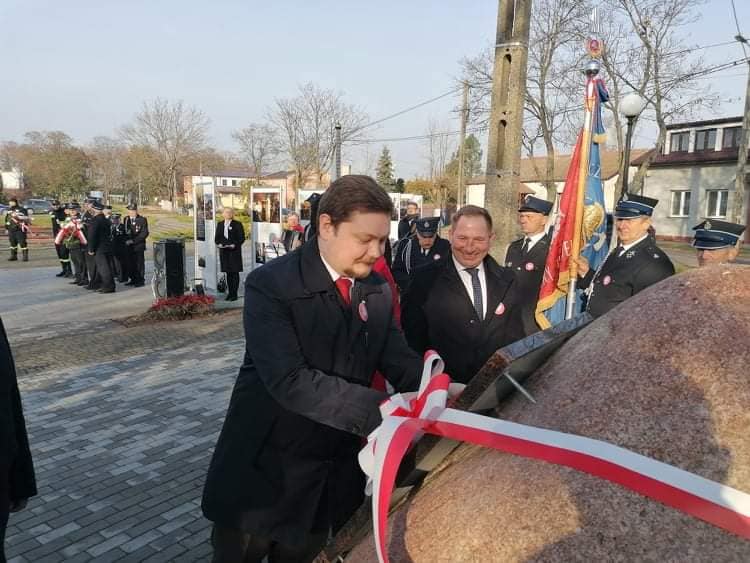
pixel 122 421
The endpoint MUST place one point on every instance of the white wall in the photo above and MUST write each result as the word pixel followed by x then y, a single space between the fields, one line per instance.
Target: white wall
pixel 12 179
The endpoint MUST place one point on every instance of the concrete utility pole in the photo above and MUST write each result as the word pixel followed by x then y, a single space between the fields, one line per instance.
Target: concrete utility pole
pixel 461 195
pixel 337 155
pixel 506 119
pixel 739 182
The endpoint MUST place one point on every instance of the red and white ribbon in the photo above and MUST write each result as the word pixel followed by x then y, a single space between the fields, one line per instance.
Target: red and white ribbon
pixel 408 416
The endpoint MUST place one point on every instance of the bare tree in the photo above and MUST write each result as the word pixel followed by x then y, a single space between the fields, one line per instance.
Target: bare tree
pixel 107 169
pixel 174 132
pixel 259 145
pixel 438 146
pixel 307 123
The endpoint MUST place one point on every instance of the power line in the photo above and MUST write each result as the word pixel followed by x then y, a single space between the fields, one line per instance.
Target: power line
pixel 413 137
pixel 411 108
pixel 740 38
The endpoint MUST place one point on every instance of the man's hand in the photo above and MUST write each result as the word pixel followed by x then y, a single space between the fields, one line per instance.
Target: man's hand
pixel 583 266
pixel 230 246
pixel 128 242
pixel 91 253
pixel 18 505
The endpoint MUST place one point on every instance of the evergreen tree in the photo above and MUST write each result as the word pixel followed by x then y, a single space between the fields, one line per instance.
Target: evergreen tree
pixel 384 174
pixel 472 159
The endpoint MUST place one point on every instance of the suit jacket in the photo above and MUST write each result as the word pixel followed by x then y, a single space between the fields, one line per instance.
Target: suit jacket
pixel 230 258
pixel 409 257
pixel 621 277
pixel 438 313
pixel 16 464
pixel 100 235
pixel 137 230
pixel 529 271
pixel 285 462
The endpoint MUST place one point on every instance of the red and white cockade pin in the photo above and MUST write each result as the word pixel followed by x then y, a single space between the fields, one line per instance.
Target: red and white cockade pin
pixel 362 310
pixel 606 280
pixel 529 266
pixel 500 309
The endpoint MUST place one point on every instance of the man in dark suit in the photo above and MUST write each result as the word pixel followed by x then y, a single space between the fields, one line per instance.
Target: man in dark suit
pixel 527 256
pixel 421 248
pixel 100 248
pixel 635 264
pixel 465 306
pixel 136 230
pixel 17 481
pixel 406 224
pixel 318 324
pixel 229 237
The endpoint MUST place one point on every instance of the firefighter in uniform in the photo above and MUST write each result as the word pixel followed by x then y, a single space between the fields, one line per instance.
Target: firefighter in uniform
pixel 72 238
pixel 527 256
pixel 119 248
pixel 17 224
pixel 423 247
pixel 87 220
pixel 58 217
pixel 717 242
pixel 136 230
pixel 100 248
pixel 635 264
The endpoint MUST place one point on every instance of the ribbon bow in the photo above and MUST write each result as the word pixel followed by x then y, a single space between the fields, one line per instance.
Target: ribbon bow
pixel 408 416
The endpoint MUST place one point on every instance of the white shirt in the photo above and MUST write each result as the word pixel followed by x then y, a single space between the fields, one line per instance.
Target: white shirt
pixel 335 275
pixel 466 279
pixel 626 247
pixel 533 239
pixel 226 229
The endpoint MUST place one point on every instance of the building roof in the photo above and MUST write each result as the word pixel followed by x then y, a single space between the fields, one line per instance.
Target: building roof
pixel 705 123
pixel 280 175
pixel 530 166
pixel 687 158
pixel 225 173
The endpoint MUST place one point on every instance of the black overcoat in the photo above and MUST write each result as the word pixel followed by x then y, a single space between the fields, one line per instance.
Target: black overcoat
pixel 100 235
pixel 438 314
pixel 285 463
pixel 136 229
pixel 15 456
pixel 409 257
pixel 230 258
pixel 529 271
pixel 621 277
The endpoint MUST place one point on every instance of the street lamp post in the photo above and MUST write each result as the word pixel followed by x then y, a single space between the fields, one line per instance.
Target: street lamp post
pixel 631 107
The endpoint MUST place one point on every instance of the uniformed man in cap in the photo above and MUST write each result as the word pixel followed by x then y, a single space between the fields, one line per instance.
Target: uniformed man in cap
pixel 717 242
pixel 421 248
pixel 312 227
pixel 136 230
pixel 87 220
pixel 632 266
pixel 17 224
pixel 58 216
pixel 100 247
pixel 527 256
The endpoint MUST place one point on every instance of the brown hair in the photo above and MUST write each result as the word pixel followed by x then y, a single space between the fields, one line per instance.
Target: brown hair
pixel 354 193
pixel 472 211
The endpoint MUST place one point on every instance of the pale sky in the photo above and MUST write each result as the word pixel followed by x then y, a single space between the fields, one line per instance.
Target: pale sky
pixel 85 66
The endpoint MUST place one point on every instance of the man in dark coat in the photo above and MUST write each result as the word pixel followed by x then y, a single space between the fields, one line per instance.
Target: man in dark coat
pixel 87 221
pixel 229 236
pixel 421 248
pixel 318 323
pixel 635 264
pixel 527 256
pixel 136 230
pixel 466 306
pixel 407 222
pixel 100 247
pixel 17 481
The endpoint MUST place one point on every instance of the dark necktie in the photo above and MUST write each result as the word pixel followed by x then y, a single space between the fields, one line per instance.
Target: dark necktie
pixel 525 247
pixel 476 287
pixel 344 286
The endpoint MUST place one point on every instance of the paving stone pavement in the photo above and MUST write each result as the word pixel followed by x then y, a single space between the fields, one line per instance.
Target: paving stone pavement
pixel 121 449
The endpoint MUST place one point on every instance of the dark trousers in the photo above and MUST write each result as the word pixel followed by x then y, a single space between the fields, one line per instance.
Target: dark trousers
pixel 137 266
pixel 233 283
pixel 91 269
pixel 235 546
pixel 17 240
pixel 62 253
pixel 79 263
pixel 103 271
pixel 4 508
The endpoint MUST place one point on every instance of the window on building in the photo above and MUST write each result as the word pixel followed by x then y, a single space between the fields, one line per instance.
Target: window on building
pixel 705 140
pixel 717 203
pixel 732 136
pixel 679 142
pixel 680 203
pixel 223 181
pixel 234 183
